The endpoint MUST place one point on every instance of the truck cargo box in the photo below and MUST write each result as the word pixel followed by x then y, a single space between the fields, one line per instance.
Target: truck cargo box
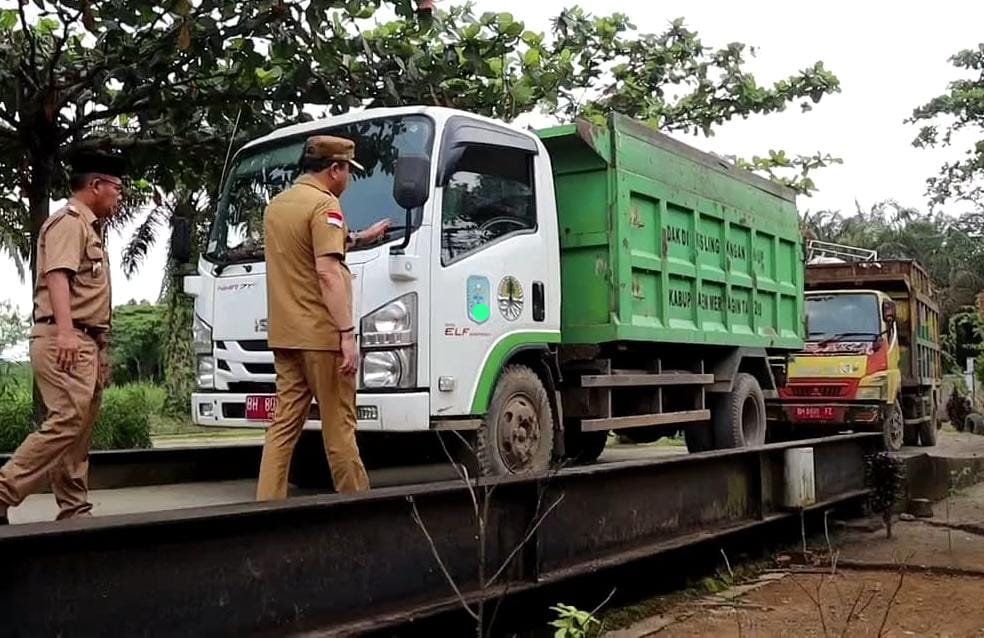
pixel 917 312
pixel 664 243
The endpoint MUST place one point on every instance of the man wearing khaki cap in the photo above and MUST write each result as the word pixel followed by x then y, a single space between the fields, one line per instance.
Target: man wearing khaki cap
pixel 311 331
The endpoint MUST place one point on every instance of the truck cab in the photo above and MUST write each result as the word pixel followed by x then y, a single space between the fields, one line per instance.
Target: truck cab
pixel 464 279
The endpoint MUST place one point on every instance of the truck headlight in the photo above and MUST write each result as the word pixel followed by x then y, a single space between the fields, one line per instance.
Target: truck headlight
pixel 206 372
pixel 388 340
pixel 201 336
pixel 871 393
pixel 873 388
pixel 395 324
pixel 389 369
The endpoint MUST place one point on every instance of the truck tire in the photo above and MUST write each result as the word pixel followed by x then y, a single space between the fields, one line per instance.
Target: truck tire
pixel 516 436
pixel 893 428
pixel 975 424
pixel 927 434
pixel 739 416
pixel 929 430
pixel 910 435
pixel 583 448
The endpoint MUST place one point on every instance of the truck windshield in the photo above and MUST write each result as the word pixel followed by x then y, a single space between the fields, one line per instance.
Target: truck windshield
pixel 851 317
pixel 260 173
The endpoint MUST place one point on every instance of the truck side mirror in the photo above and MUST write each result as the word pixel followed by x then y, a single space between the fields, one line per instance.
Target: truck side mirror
pixel 411 184
pixel 180 240
pixel 888 311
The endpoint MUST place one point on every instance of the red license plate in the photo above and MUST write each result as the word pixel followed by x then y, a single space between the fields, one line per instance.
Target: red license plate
pixel 260 407
pixel 814 413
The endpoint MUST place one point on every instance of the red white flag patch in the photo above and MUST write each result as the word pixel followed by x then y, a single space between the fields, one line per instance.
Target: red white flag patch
pixel 335 218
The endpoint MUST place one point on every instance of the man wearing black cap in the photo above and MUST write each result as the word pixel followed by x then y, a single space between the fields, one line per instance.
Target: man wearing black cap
pixel 69 340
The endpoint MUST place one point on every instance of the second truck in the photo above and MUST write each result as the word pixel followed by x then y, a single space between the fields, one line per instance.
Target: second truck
pixel 538 290
pixel 872 357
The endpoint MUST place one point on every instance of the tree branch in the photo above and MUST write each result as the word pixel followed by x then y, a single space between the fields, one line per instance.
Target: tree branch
pixel 29 35
pixel 125 142
pixel 60 43
pixel 437 557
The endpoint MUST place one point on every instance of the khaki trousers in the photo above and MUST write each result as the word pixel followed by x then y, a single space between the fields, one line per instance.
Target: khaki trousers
pixel 301 375
pixel 59 450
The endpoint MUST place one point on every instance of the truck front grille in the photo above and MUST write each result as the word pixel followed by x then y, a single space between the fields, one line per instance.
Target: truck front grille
pixel 252 387
pixel 817 391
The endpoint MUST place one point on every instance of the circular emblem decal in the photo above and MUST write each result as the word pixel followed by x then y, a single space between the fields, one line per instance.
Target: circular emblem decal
pixel 510 297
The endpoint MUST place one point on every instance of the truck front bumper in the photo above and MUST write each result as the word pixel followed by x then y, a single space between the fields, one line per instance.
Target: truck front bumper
pixel 405 412
pixel 812 413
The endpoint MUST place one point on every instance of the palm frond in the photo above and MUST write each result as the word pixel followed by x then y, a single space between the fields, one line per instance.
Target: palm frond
pixel 142 240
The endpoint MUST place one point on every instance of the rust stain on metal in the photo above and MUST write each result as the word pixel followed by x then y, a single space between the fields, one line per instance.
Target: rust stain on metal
pixel 635 218
pixel 637 289
pixel 586 132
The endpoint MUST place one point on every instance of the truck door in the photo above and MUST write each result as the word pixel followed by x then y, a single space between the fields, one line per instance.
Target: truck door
pixel 496 285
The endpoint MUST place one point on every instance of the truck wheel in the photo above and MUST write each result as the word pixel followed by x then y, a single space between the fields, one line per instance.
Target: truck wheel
pixel 910 435
pixel 699 437
pixel 929 430
pixel 893 428
pixel 583 448
pixel 516 436
pixel 739 416
pixel 975 424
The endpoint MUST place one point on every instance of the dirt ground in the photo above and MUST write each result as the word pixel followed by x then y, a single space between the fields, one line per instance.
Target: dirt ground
pixel 924 605
pixel 941 594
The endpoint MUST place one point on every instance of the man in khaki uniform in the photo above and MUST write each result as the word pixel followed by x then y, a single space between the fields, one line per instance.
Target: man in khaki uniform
pixel 309 294
pixel 69 340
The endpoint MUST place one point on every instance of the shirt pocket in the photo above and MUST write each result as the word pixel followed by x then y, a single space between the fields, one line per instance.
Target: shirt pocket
pixel 97 259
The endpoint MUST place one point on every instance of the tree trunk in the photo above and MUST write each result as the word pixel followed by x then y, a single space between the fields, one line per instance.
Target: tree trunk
pixel 39 202
pixel 180 363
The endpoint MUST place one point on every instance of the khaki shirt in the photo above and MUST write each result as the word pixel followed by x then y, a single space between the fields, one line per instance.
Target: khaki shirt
pixel 70 240
pixel 303 221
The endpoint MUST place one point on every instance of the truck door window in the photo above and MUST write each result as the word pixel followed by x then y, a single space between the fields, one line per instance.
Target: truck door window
pixel 489 196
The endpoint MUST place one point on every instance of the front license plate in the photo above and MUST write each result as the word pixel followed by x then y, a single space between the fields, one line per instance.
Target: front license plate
pixel 814 413
pixel 260 407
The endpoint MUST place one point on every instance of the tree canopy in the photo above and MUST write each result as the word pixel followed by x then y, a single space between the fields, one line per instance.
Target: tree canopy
pixel 170 82
pixel 957 118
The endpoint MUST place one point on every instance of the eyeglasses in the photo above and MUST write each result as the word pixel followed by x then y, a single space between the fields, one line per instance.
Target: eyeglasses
pixel 116 185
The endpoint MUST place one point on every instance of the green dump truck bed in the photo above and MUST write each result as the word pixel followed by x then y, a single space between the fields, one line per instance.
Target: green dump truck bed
pixel 664 243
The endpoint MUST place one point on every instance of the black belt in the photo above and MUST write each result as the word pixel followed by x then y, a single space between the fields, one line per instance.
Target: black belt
pixel 92 331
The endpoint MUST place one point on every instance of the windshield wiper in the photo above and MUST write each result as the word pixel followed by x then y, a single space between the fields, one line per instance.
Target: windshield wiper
pixel 841 335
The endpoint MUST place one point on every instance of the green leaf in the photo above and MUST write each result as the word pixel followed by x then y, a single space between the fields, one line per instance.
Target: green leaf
pixel 269 77
pixel 532 38
pixel 532 57
pixel 47 26
pixel 8 18
pixel 522 92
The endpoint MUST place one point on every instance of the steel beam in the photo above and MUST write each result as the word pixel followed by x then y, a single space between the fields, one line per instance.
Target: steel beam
pixel 341 564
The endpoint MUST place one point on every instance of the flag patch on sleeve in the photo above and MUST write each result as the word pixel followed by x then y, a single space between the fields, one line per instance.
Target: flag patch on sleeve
pixel 335 218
